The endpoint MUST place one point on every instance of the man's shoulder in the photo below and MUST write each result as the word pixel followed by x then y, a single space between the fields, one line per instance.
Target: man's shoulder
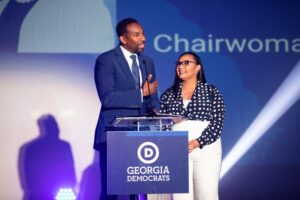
pixel 112 52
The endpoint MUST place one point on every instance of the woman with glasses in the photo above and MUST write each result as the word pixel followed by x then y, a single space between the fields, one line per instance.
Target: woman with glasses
pixel 203 107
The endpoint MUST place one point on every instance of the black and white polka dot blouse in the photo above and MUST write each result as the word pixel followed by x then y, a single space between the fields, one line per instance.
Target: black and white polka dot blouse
pixel 206 104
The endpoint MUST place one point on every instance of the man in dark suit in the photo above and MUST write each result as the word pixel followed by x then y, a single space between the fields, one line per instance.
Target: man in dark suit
pixel 126 85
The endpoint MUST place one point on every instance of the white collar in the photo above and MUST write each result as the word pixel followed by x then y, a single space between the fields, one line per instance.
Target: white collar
pixel 127 55
pixel 126 52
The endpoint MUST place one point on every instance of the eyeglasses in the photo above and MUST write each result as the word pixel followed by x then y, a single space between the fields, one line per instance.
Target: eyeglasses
pixel 184 63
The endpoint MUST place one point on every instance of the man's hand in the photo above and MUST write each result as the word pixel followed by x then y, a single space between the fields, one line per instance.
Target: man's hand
pixel 149 87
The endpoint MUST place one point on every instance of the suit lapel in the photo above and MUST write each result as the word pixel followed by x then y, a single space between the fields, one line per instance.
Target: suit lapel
pixel 123 65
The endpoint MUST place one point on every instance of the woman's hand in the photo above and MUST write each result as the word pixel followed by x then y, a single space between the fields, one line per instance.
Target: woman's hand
pixel 193 144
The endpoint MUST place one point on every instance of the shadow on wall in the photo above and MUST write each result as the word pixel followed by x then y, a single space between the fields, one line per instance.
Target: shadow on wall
pixel 46 163
pixel 90 184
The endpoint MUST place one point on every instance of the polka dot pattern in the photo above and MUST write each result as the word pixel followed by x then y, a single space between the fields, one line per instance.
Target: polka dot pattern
pixel 206 104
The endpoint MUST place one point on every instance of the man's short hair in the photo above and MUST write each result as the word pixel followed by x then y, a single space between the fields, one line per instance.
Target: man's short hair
pixel 121 27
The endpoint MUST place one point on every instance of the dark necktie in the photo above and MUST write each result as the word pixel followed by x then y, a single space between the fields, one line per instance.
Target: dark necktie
pixel 135 72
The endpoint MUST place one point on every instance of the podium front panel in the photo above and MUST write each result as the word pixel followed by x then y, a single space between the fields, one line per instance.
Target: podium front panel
pixel 147 162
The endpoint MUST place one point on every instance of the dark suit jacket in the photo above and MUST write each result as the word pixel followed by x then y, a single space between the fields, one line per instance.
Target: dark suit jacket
pixel 116 89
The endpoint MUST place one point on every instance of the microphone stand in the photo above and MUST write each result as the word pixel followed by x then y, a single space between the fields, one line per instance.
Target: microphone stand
pixel 151 113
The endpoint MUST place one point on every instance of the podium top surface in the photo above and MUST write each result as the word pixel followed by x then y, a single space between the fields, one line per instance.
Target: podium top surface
pixel 146 120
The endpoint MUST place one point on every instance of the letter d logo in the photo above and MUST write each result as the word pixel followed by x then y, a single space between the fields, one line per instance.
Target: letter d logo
pixel 148 152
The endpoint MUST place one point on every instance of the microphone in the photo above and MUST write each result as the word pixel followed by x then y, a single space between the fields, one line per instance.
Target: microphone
pixel 144 63
pixel 151 113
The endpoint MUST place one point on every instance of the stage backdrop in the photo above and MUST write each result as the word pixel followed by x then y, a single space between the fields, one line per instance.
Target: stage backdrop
pixel 250 51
